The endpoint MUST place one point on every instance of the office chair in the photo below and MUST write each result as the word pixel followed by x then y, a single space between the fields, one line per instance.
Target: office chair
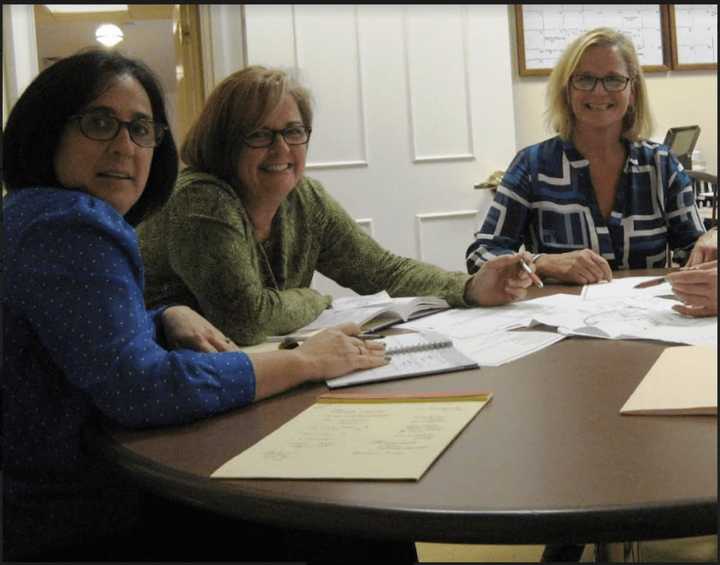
pixel 681 141
pixel 706 193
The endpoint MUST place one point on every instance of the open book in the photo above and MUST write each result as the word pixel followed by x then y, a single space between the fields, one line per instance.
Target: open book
pixel 374 312
pixel 412 355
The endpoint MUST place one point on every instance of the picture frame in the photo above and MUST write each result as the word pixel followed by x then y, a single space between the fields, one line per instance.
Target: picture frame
pixel 544 30
pixel 692 45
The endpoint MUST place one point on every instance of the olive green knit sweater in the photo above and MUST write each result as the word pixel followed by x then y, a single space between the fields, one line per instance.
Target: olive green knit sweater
pixel 201 250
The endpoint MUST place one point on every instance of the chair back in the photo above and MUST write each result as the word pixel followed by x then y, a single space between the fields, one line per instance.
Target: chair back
pixel 706 195
pixel 681 141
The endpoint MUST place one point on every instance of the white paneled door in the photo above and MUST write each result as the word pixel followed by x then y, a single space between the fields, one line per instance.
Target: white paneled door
pixel 413 107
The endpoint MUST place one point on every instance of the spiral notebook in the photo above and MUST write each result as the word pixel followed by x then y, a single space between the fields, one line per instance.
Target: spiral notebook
pixel 412 355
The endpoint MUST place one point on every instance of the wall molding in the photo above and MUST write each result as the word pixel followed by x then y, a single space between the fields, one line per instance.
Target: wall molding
pixel 420 219
pixel 363 161
pixel 449 157
pixel 470 155
pixel 368 222
pixel 20 55
pixel 293 22
pixel 361 93
pixel 336 165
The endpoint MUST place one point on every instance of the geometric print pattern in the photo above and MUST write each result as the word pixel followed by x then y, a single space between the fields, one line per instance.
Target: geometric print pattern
pixel 546 202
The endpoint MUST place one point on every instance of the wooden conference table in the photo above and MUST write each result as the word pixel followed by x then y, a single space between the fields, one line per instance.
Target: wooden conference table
pixel 548 460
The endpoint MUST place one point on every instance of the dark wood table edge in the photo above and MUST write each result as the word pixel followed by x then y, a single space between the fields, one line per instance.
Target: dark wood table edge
pixel 688 518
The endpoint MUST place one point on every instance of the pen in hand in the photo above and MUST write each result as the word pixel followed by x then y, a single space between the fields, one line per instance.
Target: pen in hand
pixel 651 282
pixel 533 276
pixel 291 342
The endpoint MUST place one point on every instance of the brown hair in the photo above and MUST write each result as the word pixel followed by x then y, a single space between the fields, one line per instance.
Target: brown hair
pixel 237 106
pixel 637 122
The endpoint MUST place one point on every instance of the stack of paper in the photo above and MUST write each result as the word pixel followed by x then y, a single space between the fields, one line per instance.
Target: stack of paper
pixel 505 346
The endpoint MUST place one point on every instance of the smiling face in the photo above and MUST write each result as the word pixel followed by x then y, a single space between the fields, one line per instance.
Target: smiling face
pixel 599 109
pixel 116 170
pixel 273 172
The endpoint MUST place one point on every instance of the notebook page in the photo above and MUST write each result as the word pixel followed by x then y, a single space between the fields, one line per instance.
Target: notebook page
pixel 404 365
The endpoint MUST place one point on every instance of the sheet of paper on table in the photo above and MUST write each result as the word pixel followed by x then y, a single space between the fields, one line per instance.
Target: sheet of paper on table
pixel 368 437
pixel 501 347
pixel 625 288
pixel 459 323
pixel 645 317
pixel 683 380
pixel 642 316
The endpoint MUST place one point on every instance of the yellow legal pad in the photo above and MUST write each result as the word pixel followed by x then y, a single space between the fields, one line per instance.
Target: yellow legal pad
pixel 359 436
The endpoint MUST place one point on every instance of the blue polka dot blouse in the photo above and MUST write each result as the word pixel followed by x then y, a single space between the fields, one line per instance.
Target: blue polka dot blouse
pixel 79 343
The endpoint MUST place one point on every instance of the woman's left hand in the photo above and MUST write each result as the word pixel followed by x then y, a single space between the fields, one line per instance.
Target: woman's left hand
pixel 184 328
pixel 500 280
pixel 705 249
pixel 697 288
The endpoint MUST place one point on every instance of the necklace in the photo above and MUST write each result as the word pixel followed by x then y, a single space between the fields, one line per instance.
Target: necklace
pixel 268 266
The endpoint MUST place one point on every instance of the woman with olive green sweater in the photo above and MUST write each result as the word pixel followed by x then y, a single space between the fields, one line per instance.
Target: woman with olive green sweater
pixel 244 230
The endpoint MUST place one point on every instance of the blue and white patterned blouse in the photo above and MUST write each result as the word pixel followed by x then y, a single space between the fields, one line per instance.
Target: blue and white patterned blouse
pixel 546 201
pixel 79 344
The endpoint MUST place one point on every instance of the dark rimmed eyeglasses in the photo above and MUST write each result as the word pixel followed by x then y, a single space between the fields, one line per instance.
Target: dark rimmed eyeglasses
pixel 611 83
pixel 293 135
pixel 103 127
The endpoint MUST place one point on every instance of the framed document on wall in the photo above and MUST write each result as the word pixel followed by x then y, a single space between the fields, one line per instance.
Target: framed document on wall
pixel 693 36
pixel 544 30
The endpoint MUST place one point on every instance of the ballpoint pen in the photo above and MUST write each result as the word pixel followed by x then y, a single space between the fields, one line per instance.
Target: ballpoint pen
pixel 651 282
pixel 293 341
pixel 533 276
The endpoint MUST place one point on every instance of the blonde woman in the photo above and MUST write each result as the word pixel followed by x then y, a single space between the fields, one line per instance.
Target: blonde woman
pixel 598 197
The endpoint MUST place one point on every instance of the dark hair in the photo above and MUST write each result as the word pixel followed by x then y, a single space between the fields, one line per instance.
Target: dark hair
pixel 39 117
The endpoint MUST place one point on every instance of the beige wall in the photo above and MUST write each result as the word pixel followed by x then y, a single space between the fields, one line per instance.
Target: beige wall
pixel 677 98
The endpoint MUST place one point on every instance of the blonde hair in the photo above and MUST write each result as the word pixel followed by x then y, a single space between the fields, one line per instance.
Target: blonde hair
pixel 239 105
pixel 637 122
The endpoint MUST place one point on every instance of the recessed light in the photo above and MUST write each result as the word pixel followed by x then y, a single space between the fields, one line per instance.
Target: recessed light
pixel 109 35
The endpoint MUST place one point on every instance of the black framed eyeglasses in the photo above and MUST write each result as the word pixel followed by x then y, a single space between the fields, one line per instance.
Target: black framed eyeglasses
pixel 293 135
pixel 103 127
pixel 611 83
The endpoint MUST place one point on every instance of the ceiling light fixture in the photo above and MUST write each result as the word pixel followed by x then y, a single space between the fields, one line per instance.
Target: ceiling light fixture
pixel 85 8
pixel 109 35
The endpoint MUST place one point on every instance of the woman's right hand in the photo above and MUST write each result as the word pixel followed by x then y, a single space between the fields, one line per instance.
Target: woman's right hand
pixel 330 353
pixel 580 267
pixel 338 351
